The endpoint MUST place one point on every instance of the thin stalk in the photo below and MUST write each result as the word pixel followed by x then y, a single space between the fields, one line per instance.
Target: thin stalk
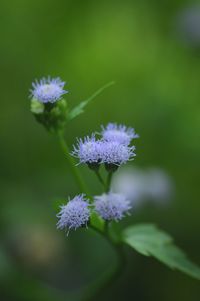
pixel 109 179
pixel 100 178
pixel 72 165
pixel 110 276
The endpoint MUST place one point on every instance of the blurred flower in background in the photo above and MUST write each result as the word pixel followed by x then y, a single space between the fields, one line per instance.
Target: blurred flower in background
pixel 140 186
pixel 188 25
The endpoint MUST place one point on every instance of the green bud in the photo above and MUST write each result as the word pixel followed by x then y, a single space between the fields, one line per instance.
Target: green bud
pixel 53 116
pixel 111 167
pixel 36 106
pixel 94 166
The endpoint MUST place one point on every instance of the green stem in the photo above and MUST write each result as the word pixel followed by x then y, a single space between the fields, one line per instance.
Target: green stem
pixel 72 164
pixel 100 178
pixel 109 179
pixel 110 276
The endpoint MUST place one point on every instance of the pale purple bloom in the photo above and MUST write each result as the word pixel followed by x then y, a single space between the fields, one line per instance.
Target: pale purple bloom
pixel 113 152
pixel 75 214
pixel 88 150
pixel 48 90
pixel 118 133
pixel 111 206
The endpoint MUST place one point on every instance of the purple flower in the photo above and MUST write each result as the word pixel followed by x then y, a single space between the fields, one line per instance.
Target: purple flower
pixel 48 89
pixel 75 214
pixel 111 206
pixel 88 150
pixel 118 133
pixel 113 152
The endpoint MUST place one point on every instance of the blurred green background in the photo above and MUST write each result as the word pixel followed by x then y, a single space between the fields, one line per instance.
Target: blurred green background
pixel 140 45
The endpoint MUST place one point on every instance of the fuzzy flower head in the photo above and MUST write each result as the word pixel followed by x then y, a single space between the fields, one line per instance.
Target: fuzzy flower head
pixel 75 214
pixel 111 206
pixel 48 89
pixel 113 152
pixel 87 150
pixel 118 133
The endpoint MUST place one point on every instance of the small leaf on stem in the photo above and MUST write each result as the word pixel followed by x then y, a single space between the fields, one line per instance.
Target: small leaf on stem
pixel 79 109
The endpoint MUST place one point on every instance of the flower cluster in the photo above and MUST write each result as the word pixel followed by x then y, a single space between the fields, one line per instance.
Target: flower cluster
pixel 113 148
pixel 48 90
pixel 76 213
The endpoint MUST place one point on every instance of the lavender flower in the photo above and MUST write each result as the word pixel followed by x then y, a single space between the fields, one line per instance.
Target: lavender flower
pixel 114 153
pixel 75 214
pixel 111 206
pixel 48 90
pixel 118 133
pixel 88 150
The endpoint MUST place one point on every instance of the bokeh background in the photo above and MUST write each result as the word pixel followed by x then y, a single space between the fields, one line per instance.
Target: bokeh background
pixel 152 50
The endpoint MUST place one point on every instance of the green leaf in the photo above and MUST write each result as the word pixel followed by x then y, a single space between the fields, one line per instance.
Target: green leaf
pixel 79 109
pixel 148 240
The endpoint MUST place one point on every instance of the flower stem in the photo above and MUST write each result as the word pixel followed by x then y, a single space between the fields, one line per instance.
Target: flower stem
pixel 110 276
pixel 74 170
pixel 109 179
pixel 100 178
